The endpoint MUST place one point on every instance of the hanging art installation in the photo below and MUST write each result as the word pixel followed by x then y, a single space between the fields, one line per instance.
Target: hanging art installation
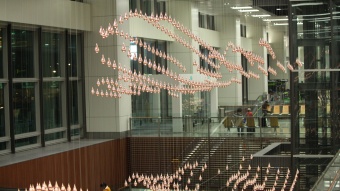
pixel 244 179
pixel 138 82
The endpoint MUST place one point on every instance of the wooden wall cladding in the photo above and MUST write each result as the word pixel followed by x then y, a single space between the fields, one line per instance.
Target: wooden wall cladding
pixel 86 168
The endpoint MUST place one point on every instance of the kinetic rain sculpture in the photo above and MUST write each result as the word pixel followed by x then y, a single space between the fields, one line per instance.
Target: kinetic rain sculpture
pixel 50 187
pixel 182 179
pixel 138 82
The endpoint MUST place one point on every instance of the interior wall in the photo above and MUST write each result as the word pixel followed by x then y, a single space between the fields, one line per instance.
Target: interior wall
pixel 85 168
pixel 61 13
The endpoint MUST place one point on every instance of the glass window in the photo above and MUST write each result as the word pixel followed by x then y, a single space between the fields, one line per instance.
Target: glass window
pixel 147 55
pixel 52 105
pixel 148 6
pixel 55 136
pixel 1 52
pixel 203 63
pixel 22 53
pixel 201 20
pixel 24 107
pixel 211 22
pixel 74 54
pixel 2 112
pixel 73 88
pixel 51 54
pixel 26 141
pixel 75 132
pixel 206 21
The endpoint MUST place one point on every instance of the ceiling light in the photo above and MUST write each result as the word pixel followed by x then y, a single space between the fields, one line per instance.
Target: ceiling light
pixel 307 4
pixel 248 10
pixel 266 15
pixel 247 7
pixel 283 19
pixel 280 24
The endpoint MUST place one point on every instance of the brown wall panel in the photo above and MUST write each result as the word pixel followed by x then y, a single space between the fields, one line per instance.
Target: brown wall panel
pixel 86 168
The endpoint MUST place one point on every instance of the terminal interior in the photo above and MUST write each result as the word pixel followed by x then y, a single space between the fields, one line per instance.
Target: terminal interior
pixel 169 94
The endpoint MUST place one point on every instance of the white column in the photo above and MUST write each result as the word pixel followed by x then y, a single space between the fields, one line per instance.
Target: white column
pixel 105 114
pixel 214 103
pixel 177 124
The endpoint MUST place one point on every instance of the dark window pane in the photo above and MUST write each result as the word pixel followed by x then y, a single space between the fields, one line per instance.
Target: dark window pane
pixel 54 136
pixel 2 146
pixel 146 7
pixel 1 52
pixel 51 54
pixel 22 53
pixel 52 105
pixel 2 111
pixel 133 4
pixel 146 54
pixel 75 132
pixel 74 53
pixel 26 141
pixel 24 107
pixel 74 118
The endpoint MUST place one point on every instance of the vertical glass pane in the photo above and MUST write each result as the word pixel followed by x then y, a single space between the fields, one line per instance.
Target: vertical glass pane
pixel 74 53
pixel 149 56
pixel 160 7
pixel 2 111
pixel 1 52
pixel 22 53
pixel 162 47
pixel 141 104
pixel 74 118
pixel 147 7
pixel 24 107
pixel 51 54
pixel 133 5
pixel 52 105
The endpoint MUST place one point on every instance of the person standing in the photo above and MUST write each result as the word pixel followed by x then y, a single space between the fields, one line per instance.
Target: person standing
pixel 238 121
pixel 265 106
pixel 249 113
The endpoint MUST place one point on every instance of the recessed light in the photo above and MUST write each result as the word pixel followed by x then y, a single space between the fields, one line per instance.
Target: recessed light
pixel 265 15
pixel 246 7
pixel 248 10
pixel 284 19
pixel 280 24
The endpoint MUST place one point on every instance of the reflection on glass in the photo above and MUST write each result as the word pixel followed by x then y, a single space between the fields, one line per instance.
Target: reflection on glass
pixel 24 107
pixel 2 112
pixel 51 54
pixel 22 53
pixel 52 105
pixel 1 52
pixel 74 53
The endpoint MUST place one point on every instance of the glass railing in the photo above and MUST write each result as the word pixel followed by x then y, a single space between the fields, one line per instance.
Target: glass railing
pixel 329 180
pixel 189 126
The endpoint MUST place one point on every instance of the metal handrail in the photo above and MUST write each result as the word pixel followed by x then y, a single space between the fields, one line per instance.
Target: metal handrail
pixel 320 179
